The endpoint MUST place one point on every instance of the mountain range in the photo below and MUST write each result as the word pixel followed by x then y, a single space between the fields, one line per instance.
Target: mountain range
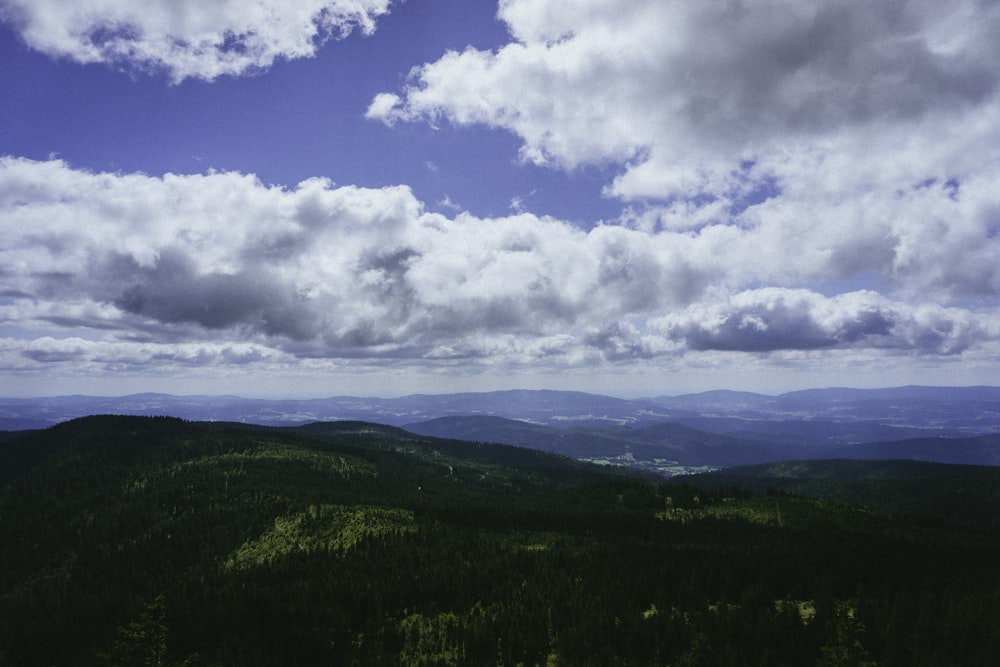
pixel 666 434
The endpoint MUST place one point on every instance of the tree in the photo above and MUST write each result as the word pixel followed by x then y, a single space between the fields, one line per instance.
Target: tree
pixel 844 647
pixel 143 642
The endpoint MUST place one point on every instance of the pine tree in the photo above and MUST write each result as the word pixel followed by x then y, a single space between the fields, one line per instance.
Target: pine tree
pixel 143 642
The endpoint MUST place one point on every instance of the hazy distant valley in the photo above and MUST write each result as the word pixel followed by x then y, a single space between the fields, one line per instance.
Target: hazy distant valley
pixel 668 435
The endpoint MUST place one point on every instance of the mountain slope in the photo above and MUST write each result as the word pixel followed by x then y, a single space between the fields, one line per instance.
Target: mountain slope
pixel 957 493
pixel 105 513
pixel 982 450
pixel 356 543
pixel 575 442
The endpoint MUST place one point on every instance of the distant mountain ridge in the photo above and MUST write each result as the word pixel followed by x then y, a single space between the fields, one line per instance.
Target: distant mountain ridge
pixel 672 448
pixel 938 410
pixel 667 434
pixel 543 406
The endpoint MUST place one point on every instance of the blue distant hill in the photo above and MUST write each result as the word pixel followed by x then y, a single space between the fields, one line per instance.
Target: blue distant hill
pixel 665 433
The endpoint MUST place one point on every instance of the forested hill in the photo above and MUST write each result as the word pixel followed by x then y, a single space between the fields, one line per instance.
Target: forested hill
pixel 136 541
pixel 964 494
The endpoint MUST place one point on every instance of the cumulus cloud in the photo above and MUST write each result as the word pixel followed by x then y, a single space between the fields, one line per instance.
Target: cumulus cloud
pixel 844 137
pixel 100 268
pixel 683 92
pixel 770 319
pixel 90 356
pixel 187 38
pixel 771 157
pixel 315 271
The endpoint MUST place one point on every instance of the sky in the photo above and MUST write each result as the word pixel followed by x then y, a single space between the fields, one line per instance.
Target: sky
pixel 309 198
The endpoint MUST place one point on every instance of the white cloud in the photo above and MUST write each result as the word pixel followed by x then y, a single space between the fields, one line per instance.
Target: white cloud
pixel 767 154
pixel 383 107
pixel 771 319
pixel 802 142
pixel 187 38
pixel 95 356
pixel 449 205
pixel 688 89
pixel 104 270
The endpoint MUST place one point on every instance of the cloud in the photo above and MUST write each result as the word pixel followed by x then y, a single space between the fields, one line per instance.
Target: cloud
pixel 383 107
pixel 186 38
pixel 88 356
pixel 661 84
pixel 449 205
pixel 623 341
pixel 803 141
pixel 772 319
pixel 131 269
pixel 825 140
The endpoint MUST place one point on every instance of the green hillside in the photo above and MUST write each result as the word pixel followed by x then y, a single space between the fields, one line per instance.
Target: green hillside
pixel 142 541
pixel 962 494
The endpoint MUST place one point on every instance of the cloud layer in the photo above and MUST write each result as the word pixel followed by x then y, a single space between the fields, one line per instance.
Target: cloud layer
pixel 847 137
pixel 187 38
pixel 684 93
pixel 220 269
pixel 772 319
pixel 798 181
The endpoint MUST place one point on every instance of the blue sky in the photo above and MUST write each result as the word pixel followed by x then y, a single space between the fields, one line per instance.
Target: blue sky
pixel 376 197
pixel 297 120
